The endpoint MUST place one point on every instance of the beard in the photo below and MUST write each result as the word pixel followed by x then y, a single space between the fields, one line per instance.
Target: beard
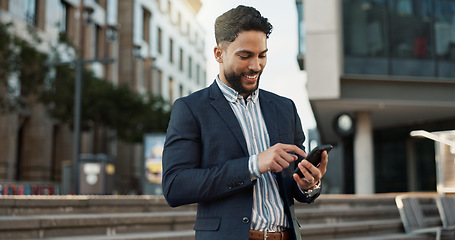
pixel 235 81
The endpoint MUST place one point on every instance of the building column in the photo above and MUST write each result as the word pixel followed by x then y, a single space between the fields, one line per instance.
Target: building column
pixel 36 151
pixel 9 126
pixel 411 167
pixel 363 155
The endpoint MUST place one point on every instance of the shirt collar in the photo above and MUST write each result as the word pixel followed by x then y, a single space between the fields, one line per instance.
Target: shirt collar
pixel 233 96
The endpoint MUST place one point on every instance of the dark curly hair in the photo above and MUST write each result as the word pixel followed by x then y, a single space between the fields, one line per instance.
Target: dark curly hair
pixel 242 18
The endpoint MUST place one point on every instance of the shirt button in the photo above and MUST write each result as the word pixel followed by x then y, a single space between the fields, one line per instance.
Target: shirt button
pixel 245 220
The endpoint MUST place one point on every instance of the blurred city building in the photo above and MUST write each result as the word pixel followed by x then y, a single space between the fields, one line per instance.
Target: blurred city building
pixel 156 47
pixel 377 70
pixel 167 46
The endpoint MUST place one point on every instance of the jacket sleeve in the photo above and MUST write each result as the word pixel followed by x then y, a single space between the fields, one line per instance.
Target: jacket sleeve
pixel 185 179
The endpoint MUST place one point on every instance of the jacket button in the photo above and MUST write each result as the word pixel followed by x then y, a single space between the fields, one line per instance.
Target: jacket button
pixel 245 220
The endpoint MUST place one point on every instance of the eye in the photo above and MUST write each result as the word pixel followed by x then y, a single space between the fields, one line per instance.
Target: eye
pixel 244 57
pixel 263 56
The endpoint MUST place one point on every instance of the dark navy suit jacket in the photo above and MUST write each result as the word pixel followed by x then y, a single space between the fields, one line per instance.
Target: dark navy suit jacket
pixel 205 161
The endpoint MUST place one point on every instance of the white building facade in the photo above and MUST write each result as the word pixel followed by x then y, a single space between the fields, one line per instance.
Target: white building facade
pixel 168 40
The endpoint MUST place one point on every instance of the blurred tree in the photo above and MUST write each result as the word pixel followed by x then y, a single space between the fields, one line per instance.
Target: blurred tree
pixel 22 70
pixel 105 105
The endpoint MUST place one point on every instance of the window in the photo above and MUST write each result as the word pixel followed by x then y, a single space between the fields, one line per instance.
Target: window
pixel 179 21
pixel 411 41
pixel 410 33
pixel 190 66
pixel 171 50
pixel 365 37
pixel 146 25
pixel 181 60
pixel 160 83
pixel 31 13
pixel 364 27
pixel 197 74
pixel 169 8
pixel 171 88
pixel 159 42
pixel 444 34
pixel 97 47
pixel 188 29
pixel 400 37
pixel 64 18
pixel 301 27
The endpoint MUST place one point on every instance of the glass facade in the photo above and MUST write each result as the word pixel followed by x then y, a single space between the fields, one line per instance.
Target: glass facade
pixel 301 27
pixel 392 149
pixel 399 37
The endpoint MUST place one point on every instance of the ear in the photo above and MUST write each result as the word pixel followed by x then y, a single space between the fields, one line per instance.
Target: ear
pixel 218 52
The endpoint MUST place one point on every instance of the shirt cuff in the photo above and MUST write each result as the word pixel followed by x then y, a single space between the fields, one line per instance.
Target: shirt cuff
pixel 254 167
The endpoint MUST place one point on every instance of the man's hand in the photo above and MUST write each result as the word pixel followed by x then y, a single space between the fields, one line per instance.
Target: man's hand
pixel 312 175
pixel 277 157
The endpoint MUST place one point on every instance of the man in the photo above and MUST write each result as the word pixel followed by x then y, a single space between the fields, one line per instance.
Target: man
pixel 232 148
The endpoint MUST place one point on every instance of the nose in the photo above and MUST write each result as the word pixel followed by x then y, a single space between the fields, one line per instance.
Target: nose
pixel 256 64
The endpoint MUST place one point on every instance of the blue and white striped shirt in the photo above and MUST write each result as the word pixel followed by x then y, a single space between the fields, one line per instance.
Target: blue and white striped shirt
pixel 268 211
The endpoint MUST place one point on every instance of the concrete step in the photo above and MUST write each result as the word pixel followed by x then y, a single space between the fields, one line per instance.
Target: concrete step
pixel 102 225
pixel 149 217
pixel 45 226
pixel 351 229
pixel 181 235
pixel 189 235
pixel 355 229
pixel 397 236
pixel 367 230
pixel 38 205
pixel 43 205
pixel 334 214
pixel 177 219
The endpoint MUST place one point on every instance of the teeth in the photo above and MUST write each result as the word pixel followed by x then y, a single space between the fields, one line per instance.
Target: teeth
pixel 250 76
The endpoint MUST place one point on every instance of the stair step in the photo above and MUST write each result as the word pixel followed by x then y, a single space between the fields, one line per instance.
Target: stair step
pixel 372 217
pixel 398 236
pixel 351 229
pixel 181 235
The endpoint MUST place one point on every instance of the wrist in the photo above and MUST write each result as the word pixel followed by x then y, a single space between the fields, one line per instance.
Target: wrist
pixel 313 191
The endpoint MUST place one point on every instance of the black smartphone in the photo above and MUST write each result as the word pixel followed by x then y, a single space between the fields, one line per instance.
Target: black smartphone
pixel 314 156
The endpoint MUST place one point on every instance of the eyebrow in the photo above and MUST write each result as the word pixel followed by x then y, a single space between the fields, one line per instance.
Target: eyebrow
pixel 249 52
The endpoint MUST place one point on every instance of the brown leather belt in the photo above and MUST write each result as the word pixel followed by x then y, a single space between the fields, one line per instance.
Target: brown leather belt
pixel 258 235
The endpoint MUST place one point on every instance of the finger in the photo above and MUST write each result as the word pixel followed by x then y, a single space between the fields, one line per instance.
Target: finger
pixel 281 153
pixel 300 182
pixel 277 167
pixel 307 174
pixel 284 163
pixel 288 157
pixel 293 148
pixel 324 161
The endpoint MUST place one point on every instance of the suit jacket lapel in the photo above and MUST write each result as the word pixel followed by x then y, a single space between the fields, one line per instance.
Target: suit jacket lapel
pixel 220 103
pixel 269 112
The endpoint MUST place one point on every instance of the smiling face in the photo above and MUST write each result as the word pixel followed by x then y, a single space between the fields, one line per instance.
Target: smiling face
pixel 242 61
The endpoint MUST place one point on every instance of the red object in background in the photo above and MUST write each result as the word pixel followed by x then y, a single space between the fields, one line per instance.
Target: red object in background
pixel 420 47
